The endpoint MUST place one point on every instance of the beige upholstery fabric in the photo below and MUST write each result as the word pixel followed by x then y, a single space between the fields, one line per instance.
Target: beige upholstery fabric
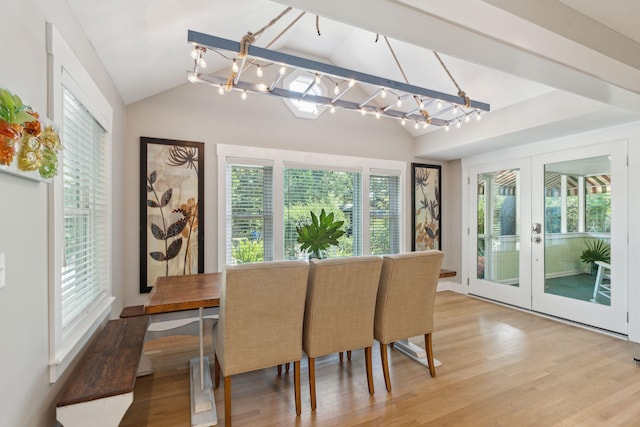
pixel 406 295
pixel 341 298
pixel 341 301
pixel 404 307
pixel 261 314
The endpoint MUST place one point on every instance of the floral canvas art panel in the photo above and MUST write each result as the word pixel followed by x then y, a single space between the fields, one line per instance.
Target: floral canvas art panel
pixel 171 209
pixel 425 200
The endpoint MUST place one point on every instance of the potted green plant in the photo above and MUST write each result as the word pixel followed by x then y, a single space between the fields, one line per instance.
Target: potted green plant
pixel 596 250
pixel 320 234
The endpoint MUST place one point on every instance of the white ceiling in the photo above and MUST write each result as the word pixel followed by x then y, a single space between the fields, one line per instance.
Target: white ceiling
pixel 508 54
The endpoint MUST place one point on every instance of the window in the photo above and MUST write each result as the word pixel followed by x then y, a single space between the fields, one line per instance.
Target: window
pixel 384 214
pixel 598 203
pixel 86 239
pixel 249 212
pixel 311 190
pixel 307 85
pixel 80 251
pixel 576 203
pixel 269 192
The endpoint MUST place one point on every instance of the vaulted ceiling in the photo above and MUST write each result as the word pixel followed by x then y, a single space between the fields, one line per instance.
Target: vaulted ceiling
pixel 547 67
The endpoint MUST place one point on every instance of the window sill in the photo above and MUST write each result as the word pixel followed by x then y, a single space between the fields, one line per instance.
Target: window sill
pixel 78 338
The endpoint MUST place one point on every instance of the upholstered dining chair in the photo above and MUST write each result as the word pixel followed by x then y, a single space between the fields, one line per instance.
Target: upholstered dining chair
pixel 404 306
pixel 260 321
pixel 341 300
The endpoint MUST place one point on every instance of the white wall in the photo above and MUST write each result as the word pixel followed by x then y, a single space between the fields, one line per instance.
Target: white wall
pixel 26 397
pixel 195 112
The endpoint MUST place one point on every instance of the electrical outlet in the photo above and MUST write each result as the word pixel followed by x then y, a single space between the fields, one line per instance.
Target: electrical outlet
pixel 3 279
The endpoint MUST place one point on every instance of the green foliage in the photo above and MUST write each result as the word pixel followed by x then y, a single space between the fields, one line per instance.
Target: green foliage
pixel 247 251
pixel 597 250
pixel 321 233
pixel 12 110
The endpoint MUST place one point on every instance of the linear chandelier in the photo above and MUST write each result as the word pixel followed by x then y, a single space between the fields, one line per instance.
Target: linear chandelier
pixel 425 106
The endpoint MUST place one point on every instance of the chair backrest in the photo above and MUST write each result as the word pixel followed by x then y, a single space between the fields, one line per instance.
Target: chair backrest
pixel 261 314
pixel 406 295
pixel 341 299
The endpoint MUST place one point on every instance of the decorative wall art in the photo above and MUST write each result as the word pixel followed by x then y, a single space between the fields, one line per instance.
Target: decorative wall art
pixel 171 209
pixel 425 201
pixel 29 144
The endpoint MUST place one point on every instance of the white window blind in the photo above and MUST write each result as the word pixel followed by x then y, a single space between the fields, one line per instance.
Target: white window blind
pixel 307 190
pixel 249 213
pixel 85 275
pixel 384 214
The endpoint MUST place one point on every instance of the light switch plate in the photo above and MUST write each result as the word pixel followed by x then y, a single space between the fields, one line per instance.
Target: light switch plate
pixel 3 280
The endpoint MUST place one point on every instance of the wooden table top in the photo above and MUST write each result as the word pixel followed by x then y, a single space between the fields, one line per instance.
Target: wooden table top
pixel 447 273
pixel 176 293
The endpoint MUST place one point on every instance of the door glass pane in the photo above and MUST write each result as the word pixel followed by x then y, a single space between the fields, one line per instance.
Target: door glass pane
pixel 498 227
pixel 578 229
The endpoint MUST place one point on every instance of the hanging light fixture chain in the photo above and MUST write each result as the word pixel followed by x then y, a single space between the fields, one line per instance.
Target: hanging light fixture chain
pixel 460 91
pixel 285 30
pixel 393 53
pixel 250 37
pixel 396 59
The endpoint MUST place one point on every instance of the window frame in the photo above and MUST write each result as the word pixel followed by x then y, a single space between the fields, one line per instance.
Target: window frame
pixel 64 69
pixel 367 166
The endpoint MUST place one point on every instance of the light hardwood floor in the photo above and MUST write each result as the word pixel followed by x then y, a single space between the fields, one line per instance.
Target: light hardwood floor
pixel 500 367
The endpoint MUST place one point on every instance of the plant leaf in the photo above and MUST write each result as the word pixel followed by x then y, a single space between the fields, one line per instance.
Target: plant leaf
pixel 174 248
pixel 430 233
pixel 166 197
pixel 158 256
pixel 176 228
pixel 153 177
pixel 152 204
pixel 157 232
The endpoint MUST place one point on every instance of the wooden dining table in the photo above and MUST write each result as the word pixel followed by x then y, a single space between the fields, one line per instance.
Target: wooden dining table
pixel 188 292
pixel 199 291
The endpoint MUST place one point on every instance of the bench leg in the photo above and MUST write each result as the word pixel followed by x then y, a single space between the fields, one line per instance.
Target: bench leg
pixel 109 411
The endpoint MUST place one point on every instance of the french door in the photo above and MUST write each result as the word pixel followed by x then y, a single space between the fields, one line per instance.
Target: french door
pixel 537 225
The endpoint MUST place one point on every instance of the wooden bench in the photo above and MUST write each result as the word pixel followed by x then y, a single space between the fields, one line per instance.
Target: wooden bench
pixel 100 389
pixel 132 311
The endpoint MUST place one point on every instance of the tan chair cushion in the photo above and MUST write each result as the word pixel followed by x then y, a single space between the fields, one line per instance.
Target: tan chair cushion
pixel 261 314
pixel 406 295
pixel 341 298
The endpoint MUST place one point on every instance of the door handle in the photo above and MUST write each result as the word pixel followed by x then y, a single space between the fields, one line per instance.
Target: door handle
pixel 536 228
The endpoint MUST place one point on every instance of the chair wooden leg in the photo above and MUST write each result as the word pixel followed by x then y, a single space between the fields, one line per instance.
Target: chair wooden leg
pixel 392 345
pixel 385 365
pixel 296 385
pixel 429 349
pixel 227 401
pixel 216 371
pixel 279 370
pixel 341 354
pixel 312 382
pixel 286 367
pixel 367 358
pixel 348 354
